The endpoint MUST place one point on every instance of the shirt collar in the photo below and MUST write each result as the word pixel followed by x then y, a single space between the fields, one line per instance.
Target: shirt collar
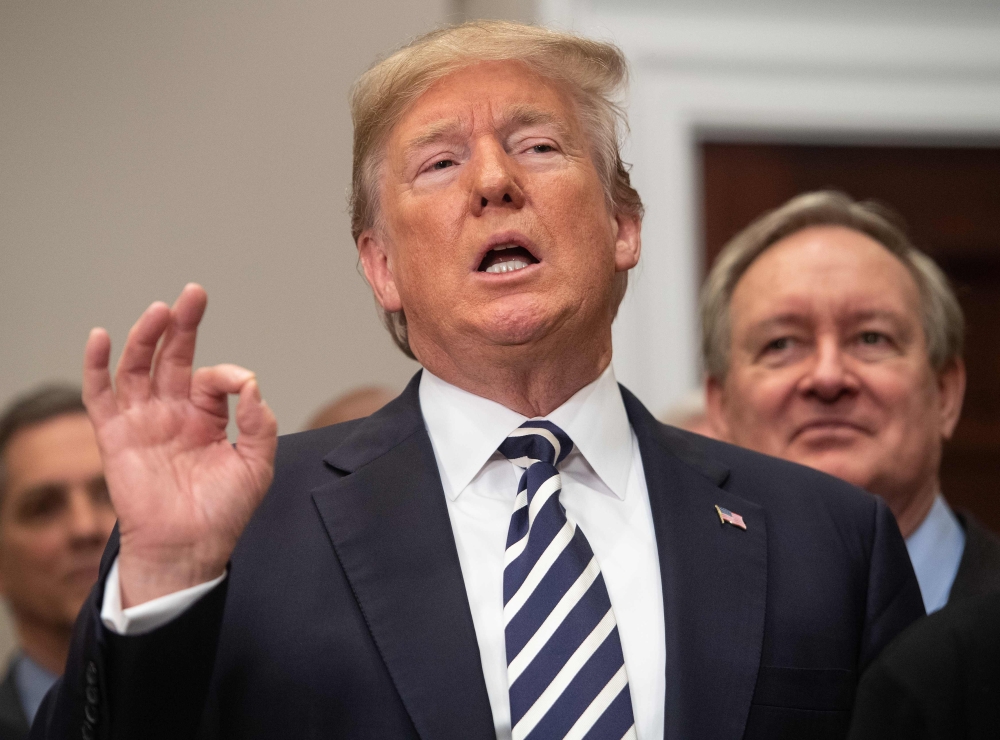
pixel 935 549
pixel 466 430
pixel 33 683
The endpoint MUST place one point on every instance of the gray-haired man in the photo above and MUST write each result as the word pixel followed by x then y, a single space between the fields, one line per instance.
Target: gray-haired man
pixel 831 341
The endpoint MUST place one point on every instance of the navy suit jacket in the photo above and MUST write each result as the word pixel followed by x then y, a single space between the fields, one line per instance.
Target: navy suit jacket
pixel 345 614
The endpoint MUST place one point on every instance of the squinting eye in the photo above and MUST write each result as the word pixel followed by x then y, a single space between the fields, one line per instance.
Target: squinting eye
pixel 871 337
pixel 542 148
pixel 779 344
pixel 442 164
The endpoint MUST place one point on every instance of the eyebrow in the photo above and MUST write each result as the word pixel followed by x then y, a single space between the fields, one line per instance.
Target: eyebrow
pixel 43 487
pixel 433 134
pixel 797 319
pixel 520 116
pixel 514 118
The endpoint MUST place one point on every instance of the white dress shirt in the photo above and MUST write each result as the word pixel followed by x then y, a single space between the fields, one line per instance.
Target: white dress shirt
pixel 604 491
pixel 936 548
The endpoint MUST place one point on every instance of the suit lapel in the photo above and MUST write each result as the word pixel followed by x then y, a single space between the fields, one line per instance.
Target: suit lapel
pixel 714 584
pixel 389 525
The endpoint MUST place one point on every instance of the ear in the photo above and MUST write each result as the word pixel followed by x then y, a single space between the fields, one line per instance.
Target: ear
pixel 628 241
pixel 714 408
pixel 374 254
pixel 951 393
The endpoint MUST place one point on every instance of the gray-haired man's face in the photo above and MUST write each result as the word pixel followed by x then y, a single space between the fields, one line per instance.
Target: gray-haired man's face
pixel 829 366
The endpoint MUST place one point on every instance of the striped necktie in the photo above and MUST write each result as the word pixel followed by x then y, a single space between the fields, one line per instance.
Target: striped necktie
pixel 565 670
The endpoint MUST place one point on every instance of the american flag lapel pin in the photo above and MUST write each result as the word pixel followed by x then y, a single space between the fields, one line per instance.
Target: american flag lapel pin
pixel 728 517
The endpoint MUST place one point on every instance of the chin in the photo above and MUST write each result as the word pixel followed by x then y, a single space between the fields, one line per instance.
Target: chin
pixel 518 325
pixel 840 464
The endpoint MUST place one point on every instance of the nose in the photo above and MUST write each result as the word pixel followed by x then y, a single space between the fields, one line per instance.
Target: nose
pixel 86 519
pixel 829 379
pixel 495 180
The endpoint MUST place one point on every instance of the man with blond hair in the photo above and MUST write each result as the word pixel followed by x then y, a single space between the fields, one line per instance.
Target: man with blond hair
pixel 512 548
pixel 831 341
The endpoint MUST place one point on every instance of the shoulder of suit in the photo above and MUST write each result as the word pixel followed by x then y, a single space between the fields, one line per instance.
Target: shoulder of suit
pixel 298 446
pixel 979 569
pixel 299 459
pixel 13 723
pixel 938 647
pixel 764 478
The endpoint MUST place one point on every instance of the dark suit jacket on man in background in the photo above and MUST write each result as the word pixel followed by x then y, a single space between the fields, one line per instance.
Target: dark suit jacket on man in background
pixel 345 614
pixel 13 722
pixel 940 680
pixel 979 569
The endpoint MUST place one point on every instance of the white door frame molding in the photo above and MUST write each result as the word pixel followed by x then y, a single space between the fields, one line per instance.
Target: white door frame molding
pixel 697 78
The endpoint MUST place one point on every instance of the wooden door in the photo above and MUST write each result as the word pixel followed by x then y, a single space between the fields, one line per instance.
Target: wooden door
pixel 950 198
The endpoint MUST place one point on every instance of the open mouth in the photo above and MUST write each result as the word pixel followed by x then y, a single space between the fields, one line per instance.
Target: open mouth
pixel 506 258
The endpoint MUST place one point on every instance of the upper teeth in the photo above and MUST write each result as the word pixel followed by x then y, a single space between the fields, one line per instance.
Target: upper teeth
pixel 515 264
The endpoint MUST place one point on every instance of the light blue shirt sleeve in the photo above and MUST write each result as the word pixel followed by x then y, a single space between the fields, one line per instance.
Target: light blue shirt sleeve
pixel 936 549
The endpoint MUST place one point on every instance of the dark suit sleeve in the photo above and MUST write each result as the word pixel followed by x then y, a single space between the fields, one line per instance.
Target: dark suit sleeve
pixel 894 599
pixel 886 708
pixel 146 686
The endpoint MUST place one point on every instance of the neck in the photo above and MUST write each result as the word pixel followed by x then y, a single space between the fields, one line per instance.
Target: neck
pixel 910 511
pixel 532 379
pixel 45 645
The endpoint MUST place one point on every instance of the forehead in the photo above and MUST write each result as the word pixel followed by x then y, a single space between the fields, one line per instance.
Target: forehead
pixel 61 448
pixel 826 269
pixel 484 94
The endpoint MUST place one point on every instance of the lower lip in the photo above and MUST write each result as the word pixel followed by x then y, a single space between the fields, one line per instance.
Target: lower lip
pixel 830 430
pixel 524 271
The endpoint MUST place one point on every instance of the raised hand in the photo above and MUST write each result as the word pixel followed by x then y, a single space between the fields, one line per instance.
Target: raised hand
pixel 182 492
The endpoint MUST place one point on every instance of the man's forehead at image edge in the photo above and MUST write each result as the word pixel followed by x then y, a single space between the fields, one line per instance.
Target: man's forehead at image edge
pixel 941 315
pixel 594 73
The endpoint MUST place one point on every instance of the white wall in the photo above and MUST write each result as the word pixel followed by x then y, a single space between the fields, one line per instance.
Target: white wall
pixel 147 144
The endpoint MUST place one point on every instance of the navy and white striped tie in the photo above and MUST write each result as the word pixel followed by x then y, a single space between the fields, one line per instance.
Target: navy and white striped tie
pixel 565 670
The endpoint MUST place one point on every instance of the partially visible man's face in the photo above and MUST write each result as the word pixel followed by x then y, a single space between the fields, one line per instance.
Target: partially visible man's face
pixel 829 367
pixel 55 519
pixel 496 227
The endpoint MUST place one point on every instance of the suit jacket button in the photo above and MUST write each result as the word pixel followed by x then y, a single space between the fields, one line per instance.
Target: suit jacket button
pixel 87 732
pixel 92 673
pixel 92 695
pixel 90 712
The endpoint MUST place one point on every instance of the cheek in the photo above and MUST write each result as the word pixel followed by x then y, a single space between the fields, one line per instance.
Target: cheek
pixel 764 397
pixel 905 399
pixel 432 256
pixel 35 550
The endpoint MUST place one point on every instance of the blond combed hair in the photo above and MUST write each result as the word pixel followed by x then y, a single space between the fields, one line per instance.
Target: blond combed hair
pixel 594 73
pixel 941 315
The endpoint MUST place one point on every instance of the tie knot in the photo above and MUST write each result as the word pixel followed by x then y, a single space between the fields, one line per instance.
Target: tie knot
pixel 536 440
